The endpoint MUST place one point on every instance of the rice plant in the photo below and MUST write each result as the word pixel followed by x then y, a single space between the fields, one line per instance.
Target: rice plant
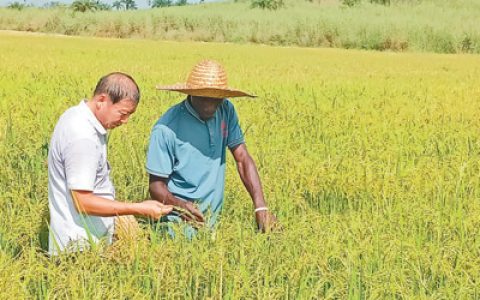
pixel 370 160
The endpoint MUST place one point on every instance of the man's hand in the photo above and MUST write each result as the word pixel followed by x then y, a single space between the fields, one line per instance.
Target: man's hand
pixel 191 213
pixel 185 209
pixel 267 221
pixel 153 209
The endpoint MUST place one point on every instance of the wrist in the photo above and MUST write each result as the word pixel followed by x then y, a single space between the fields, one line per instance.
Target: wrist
pixel 136 209
pixel 261 208
pixel 172 200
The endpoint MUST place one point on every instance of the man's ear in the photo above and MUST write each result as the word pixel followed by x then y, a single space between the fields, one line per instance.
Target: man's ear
pixel 101 100
pixel 102 97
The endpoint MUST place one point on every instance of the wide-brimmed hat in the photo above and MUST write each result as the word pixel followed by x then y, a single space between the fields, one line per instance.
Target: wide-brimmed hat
pixel 207 79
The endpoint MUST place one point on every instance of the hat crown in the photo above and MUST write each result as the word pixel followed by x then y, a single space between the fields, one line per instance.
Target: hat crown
pixel 208 74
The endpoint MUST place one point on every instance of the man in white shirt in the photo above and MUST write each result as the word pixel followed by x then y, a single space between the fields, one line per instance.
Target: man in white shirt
pixel 80 192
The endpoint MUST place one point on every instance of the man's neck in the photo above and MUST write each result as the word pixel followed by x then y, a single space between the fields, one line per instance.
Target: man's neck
pixel 90 105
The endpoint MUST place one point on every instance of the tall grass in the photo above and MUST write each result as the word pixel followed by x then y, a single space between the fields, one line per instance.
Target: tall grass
pixel 433 26
pixel 370 160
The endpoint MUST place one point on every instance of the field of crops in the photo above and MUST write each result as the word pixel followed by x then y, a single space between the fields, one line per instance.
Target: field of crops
pixel 403 25
pixel 370 160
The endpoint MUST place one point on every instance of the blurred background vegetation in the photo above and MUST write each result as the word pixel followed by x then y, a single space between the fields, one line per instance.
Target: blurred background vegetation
pixel 397 25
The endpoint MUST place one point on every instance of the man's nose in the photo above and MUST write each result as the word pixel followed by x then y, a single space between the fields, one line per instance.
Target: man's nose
pixel 213 107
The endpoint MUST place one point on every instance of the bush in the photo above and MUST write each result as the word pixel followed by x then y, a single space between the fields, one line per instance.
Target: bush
pixel 268 4
pixel 382 2
pixel 350 3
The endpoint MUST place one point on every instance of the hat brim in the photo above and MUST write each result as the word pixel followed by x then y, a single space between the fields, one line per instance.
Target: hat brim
pixel 205 92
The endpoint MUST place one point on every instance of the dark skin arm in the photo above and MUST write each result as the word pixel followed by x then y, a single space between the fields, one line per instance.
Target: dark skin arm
pixel 159 191
pixel 247 170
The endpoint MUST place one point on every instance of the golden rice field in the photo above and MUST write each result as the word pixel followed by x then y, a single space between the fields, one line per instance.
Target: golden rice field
pixel 370 160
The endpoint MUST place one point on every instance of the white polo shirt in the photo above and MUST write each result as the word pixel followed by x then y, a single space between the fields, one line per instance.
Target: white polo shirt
pixel 77 160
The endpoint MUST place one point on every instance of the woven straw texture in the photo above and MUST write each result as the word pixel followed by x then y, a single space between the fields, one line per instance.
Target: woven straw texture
pixel 207 79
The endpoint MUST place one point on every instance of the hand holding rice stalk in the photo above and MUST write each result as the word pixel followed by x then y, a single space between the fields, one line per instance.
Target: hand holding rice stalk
pixel 190 214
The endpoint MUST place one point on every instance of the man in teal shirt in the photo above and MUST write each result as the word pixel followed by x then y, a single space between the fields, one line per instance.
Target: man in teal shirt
pixel 187 152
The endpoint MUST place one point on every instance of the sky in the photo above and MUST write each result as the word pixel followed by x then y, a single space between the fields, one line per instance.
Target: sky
pixel 140 3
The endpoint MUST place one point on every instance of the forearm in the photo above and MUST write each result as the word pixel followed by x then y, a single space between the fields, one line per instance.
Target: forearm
pixel 251 180
pixel 88 203
pixel 159 191
pixel 166 197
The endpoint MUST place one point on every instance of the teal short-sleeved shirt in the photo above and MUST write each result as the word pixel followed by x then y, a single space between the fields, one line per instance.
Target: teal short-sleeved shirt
pixel 192 153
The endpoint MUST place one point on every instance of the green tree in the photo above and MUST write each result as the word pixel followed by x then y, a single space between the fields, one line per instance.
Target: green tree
pixel 129 4
pixel 102 5
pixel 83 5
pixel 161 3
pixel 181 2
pixel 118 5
pixel 17 5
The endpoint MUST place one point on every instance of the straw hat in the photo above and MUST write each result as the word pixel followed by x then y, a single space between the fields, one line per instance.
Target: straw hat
pixel 207 79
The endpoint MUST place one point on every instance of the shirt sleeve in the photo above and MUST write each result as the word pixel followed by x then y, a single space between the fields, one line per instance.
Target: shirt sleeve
pixel 160 155
pixel 81 158
pixel 235 134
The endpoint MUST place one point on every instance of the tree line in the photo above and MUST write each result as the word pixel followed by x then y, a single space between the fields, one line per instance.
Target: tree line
pixel 98 5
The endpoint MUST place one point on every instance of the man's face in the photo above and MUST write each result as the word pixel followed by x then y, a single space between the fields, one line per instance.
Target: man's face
pixel 205 106
pixel 113 115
